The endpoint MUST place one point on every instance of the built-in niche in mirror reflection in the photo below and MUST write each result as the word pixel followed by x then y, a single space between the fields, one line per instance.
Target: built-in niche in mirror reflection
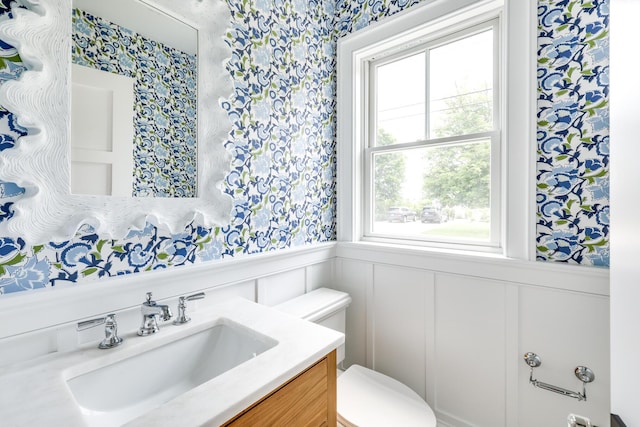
pixel 134 127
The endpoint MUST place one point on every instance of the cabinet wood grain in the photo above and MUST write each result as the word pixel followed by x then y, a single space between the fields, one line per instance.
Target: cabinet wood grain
pixel 308 399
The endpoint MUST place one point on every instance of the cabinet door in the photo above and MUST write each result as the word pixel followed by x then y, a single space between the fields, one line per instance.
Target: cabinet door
pixel 307 400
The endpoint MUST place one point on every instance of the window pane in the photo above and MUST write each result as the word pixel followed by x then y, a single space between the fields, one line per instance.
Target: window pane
pixel 461 86
pixel 400 103
pixel 440 192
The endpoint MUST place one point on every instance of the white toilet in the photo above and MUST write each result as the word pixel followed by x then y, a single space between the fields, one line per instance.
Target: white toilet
pixel 366 398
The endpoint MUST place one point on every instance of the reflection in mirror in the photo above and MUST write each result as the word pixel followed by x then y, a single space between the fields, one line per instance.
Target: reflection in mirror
pixel 134 104
pixel 48 211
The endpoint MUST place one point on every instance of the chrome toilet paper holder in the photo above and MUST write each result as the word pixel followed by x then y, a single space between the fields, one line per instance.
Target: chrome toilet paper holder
pixel 583 373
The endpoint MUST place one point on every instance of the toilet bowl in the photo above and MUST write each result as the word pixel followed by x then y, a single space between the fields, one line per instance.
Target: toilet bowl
pixel 366 398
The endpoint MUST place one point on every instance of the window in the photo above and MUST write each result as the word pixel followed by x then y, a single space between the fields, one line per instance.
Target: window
pixel 436 120
pixel 433 140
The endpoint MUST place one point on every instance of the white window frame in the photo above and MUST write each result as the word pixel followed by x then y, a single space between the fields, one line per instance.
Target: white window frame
pixel 412 27
pixel 370 149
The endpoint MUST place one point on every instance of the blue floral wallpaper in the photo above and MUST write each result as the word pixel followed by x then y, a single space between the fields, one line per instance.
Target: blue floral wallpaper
pixel 283 145
pixel 573 131
pixel 572 173
pixel 165 157
pixel 353 15
pixel 282 176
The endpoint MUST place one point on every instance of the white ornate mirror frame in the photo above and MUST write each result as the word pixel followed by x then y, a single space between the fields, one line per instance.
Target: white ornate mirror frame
pixel 40 163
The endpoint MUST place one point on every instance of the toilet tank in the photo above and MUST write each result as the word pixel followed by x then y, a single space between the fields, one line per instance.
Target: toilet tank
pixel 324 306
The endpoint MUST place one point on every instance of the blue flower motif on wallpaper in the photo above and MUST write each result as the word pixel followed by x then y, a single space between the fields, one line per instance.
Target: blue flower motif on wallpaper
pixel 282 143
pixel 573 122
pixel 21 273
pixel 165 101
pixel 11 129
pixel 10 62
pixel 11 67
pixel 280 71
pixel 88 256
pixel 573 132
pixel 6 8
pixel 354 15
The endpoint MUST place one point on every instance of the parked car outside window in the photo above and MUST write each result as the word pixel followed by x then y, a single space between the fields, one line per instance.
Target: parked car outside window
pixel 401 214
pixel 431 214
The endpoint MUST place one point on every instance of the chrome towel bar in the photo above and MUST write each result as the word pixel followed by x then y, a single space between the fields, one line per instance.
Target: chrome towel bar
pixel 583 373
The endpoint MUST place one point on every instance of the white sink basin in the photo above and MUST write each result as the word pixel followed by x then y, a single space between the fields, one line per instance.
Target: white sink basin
pixel 117 393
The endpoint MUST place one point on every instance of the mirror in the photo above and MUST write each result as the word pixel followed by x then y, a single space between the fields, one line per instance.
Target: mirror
pixel 134 100
pixel 41 99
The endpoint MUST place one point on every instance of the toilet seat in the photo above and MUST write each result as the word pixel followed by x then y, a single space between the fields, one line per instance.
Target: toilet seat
pixel 367 398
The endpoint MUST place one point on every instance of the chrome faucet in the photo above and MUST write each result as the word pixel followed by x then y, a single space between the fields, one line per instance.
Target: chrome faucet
pixel 182 317
pixel 111 338
pixel 151 311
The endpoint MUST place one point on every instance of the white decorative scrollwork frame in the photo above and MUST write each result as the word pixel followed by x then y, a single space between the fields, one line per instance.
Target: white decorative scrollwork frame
pixel 40 161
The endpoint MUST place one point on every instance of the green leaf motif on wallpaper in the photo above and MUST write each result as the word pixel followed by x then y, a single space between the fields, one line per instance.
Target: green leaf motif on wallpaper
pixel 592 178
pixel 201 243
pixel 11 57
pixel 13 261
pixel 118 248
pixel 592 110
pixel 100 244
pixel 592 247
pixel 89 271
pixel 601 35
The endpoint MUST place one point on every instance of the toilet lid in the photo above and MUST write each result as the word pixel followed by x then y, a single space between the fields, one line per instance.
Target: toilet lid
pixel 316 305
pixel 369 399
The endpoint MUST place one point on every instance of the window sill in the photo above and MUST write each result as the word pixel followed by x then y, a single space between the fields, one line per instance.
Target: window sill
pixel 592 280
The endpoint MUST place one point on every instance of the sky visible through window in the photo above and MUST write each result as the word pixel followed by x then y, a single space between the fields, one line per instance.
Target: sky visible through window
pixel 459 69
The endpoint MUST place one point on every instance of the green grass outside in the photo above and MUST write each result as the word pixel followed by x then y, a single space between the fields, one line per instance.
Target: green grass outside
pixel 469 230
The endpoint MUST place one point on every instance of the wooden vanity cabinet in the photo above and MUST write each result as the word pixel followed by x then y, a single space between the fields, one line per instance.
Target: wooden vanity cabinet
pixel 308 399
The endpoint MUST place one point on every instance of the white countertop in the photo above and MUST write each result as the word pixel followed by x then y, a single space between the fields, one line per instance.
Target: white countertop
pixel 35 393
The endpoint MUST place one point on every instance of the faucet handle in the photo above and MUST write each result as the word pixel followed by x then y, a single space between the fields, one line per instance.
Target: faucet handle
pixel 182 317
pixel 199 295
pixel 149 295
pixel 111 338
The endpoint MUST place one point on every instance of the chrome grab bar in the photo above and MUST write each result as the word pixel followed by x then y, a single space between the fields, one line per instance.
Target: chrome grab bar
pixel 583 373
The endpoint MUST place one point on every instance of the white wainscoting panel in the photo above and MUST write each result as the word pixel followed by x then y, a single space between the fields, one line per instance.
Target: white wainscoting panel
pixel 356 278
pixel 273 290
pixel 470 326
pixel 565 329
pixel 223 293
pixel 455 330
pixel 399 334
pixel 321 275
